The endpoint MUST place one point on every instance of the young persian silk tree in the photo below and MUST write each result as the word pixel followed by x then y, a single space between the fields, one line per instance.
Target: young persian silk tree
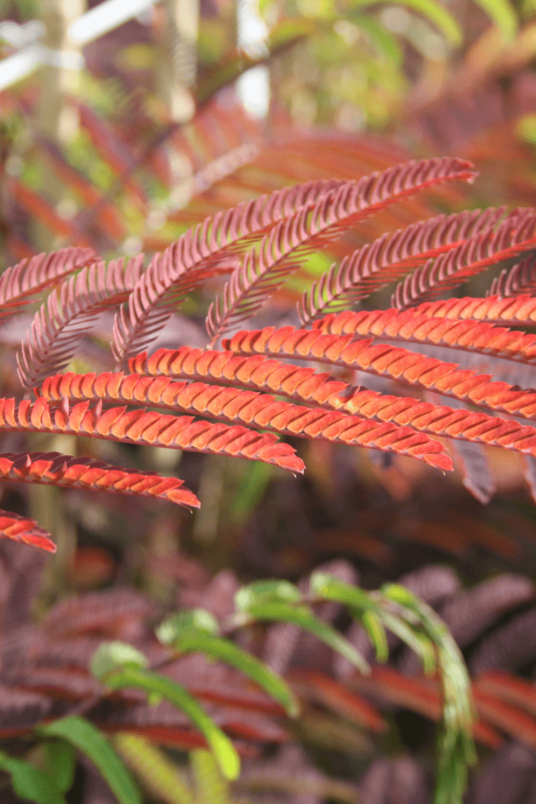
pixel 426 379
pixel 452 373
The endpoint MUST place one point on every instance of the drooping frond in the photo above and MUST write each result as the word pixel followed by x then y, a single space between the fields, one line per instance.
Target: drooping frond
pixel 68 314
pixel 258 277
pixel 516 233
pixel 148 428
pixel 392 362
pixel 53 468
pixel 189 261
pixel 516 281
pixel 246 407
pixel 21 282
pixel 25 530
pixel 408 326
pixel 199 253
pixel 298 382
pixel 375 264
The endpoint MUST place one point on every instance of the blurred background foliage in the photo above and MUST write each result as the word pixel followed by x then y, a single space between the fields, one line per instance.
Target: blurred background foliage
pixel 123 152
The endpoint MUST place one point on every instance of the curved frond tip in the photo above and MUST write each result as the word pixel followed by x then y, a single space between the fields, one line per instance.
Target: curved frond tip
pixel 260 276
pixel 53 468
pixel 69 313
pixel 253 409
pixel 148 428
pixel 25 530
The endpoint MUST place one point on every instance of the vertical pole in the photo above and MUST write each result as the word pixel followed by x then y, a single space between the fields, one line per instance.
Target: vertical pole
pixel 57 119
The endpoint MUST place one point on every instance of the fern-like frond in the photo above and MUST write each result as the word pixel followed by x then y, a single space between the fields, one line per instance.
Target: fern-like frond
pixel 516 310
pixel 375 264
pixel 258 277
pixel 516 233
pixel 409 326
pixel 516 281
pixel 201 252
pixel 68 314
pixel 53 468
pixel 25 530
pixel 248 407
pixel 148 428
pixel 20 283
pixel 392 362
pixel 304 384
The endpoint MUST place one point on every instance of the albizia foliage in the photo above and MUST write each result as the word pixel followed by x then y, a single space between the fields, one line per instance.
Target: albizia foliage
pixel 422 379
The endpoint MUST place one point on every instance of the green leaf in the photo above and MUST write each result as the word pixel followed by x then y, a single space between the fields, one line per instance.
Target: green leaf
pixel 221 745
pixel 419 643
pixel 111 655
pixel 502 15
pixel 433 11
pixel 266 592
pixel 91 742
pixel 61 762
pixel 305 619
pixel 194 620
pixel 30 783
pixel 227 651
pixel 329 587
pixel 376 633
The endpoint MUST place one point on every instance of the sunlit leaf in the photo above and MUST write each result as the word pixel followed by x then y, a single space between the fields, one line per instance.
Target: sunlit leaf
pixel 189 641
pixel 305 619
pixel 156 684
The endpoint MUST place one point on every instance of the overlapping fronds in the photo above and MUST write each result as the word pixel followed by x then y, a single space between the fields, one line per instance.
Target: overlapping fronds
pixel 146 427
pixel 396 363
pixel 259 276
pixel 53 468
pixel 21 282
pixel 68 314
pixel 198 254
pixel 411 327
pixel 388 258
pixel 250 408
pixel 516 233
pixel 25 530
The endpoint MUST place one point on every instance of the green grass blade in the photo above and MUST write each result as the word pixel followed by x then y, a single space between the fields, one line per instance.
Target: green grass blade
pixel 91 742
pixel 305 619
pixel 227 651
pixel 155 684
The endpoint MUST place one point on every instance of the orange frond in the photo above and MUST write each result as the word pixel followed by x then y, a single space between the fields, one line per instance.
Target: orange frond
pixel 53 468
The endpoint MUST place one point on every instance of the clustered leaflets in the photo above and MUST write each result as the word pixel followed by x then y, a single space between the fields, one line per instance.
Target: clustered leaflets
pixel 216 400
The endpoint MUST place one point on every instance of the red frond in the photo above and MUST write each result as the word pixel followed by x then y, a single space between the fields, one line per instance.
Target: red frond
pixel 304 384
pixel 516 310
pixel 148 428
pixel 21 282
pixel 25 530
pixel 375 264
pixel 411 326
pixel 68 314
pixel 392 362
pixel 250 408
pixel 53 468
pixel 199 253
pixel 515 281
pixel 258 277
pixel 516 233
